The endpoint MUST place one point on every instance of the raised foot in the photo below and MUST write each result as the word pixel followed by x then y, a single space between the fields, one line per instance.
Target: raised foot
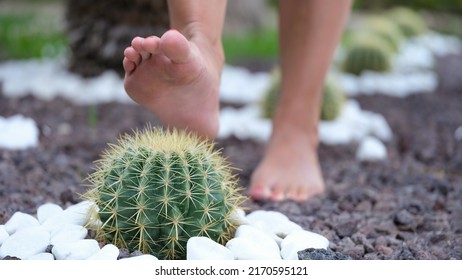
pixel 177 79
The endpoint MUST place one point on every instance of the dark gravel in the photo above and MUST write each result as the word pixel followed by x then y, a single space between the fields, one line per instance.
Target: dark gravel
pixel 321 254
pixel 408 207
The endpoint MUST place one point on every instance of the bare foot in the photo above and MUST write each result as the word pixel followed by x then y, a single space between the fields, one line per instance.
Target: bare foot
pixel 177 79
pixel 289 169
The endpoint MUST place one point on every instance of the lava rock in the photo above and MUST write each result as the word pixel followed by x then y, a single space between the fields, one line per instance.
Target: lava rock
pixel 347 228
pixel 10 258
pixel 321 254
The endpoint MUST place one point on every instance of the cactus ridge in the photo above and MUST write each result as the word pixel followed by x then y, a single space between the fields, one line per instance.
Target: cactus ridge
pixel 156 189
pixel 367 55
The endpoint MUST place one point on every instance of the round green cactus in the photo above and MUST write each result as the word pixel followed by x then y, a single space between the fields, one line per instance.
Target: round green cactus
pixel 367 53
pixel 385 28
pixel 156 189
pixel 333 99
pixel 408 20
pixel 270 99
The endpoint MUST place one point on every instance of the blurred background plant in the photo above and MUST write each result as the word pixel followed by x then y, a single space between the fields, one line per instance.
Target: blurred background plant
pixel 454 6
pixel 444 16
pixel 42 28
pixel 31 29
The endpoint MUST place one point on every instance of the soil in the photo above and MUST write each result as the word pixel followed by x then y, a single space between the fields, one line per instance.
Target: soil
pixel 407 207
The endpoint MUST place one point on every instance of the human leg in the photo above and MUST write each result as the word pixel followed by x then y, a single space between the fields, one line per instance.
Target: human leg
pixel 177 76
pixel 309 33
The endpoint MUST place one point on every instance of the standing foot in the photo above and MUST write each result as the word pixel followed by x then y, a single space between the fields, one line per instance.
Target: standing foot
pixel 289 169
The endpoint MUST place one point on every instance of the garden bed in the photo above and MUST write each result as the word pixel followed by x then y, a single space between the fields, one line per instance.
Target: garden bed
pixel 407 207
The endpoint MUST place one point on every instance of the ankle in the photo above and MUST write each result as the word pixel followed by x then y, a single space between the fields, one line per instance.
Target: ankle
pixel 289 133
pixel 207 41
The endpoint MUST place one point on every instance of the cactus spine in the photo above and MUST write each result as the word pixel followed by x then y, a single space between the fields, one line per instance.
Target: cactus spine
pixel 156 189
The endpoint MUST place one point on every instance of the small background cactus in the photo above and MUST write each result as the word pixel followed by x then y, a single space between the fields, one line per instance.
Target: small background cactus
pixel 332 101
pixel 270 99
pixel 408 21
pixel 156 189
pixel 383 26
pixel 367 52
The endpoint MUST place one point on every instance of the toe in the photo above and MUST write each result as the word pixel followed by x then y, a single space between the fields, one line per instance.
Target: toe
pixel 175 46
pixel 277 194
pixel 137 44
pixel 294 194
pixel 132 55
pixel 129 66
pixel 259 193
pixel 151 45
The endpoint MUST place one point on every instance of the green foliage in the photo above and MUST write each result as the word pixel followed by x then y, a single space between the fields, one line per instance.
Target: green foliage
pixel 454 6
pixel 263 44
pixel 25 35
pixel 332 101
pixel 156 189
pixel 368 52
pixel 92 116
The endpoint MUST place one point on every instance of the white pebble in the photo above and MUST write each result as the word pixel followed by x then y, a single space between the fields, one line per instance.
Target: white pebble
pixel 108 252
pixel 75 214
pixel 246 249
pixel 301 240
pixel 25 243
pixel 47 210
pixel 68 233
pixel 335 133
pixel 203 248
pixel 259 237
pixel 353 124
pixel 379 126
pixel 3 234
pixel 78 213
pixel 263 214
pixel 272 222
pixel 20 220
pixel 371 149
pixel 238 85
pixel 238 217
pixel 78 250
pixel 140 258
pixel 244 123
pixel 18 132
pixel 458 133
pixel 42 257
